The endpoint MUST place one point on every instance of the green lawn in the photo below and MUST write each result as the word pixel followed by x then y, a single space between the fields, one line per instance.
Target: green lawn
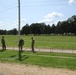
pixel 55 42
pixel 55 60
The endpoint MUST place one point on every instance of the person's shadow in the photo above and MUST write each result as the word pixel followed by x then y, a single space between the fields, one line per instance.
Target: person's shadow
pixel 23 57
pixel 2 50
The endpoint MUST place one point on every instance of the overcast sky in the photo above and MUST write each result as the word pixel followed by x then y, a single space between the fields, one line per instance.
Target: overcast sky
pixel 35 11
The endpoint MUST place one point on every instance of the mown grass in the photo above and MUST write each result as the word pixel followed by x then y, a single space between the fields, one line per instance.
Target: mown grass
pixel 55 60
pixel 54 42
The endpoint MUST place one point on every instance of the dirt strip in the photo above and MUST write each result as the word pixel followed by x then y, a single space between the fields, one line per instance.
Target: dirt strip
pixel 44 50
pixel 21 69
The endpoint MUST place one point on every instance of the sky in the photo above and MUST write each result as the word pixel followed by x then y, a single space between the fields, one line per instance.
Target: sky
pixel 35 11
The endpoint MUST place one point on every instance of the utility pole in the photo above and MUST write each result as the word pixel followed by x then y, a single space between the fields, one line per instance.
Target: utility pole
pixel 18 19
pixel 19 28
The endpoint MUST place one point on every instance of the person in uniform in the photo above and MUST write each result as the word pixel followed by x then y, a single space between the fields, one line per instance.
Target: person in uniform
pixel 3 43
pixel 21 43
pixel 32 44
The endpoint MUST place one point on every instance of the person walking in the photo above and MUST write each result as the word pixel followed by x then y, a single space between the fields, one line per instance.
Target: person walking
pixel 3 43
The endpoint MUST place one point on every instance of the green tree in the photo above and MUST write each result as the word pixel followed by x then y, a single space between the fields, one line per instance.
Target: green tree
pixel 26 29
pixel 53 29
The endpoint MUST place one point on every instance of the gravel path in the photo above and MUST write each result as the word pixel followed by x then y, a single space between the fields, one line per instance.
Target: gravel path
pixel 20 69
pixel 44 50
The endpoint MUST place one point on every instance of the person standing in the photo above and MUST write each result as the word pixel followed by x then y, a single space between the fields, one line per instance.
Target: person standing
pixel 3 43
pixel 32 44
pixel 21 43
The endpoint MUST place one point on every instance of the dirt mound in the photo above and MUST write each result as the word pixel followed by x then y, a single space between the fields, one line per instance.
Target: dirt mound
pixel 20 69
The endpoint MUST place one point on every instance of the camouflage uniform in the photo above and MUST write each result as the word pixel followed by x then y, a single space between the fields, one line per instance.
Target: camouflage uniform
pixel 3 43
pixel 21 43
pixel 32 45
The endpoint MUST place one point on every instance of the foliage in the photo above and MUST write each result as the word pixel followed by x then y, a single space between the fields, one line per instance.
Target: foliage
pixel 12 32
pixel 3 32
pixel 67 27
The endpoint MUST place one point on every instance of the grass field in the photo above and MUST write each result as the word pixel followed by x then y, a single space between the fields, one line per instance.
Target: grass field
pixel 54 42
pixel 55 60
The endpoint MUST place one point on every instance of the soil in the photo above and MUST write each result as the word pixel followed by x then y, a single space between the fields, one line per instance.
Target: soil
pixel 21 69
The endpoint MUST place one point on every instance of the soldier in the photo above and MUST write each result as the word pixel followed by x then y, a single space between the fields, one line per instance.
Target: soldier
pixel 3 43
pixel 32 45
pixel 21 43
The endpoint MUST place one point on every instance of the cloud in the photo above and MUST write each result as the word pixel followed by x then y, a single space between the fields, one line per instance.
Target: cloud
pixel 72 1
pixel 1 24
pixel 51 18
pixel 46 21
pixel 54 15
pixel 23 20
pixel 11 24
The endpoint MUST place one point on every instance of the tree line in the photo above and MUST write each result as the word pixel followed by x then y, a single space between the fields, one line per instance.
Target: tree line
pixel 67 27
pixel 9 32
